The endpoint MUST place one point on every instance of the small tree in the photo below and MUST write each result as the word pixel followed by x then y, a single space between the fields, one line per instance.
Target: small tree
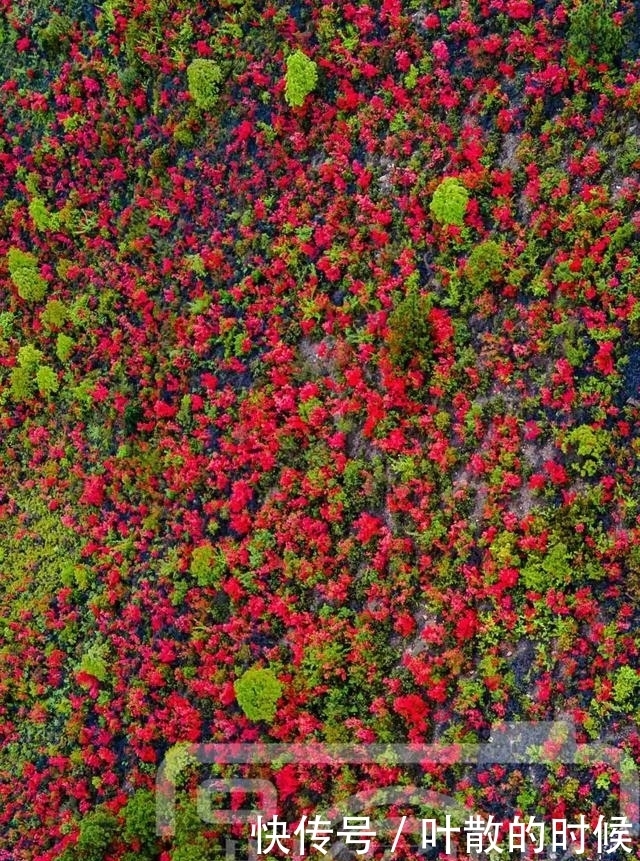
pixel 410 329
pixel 64 346
pixel 625 684
pixel 593 33
pixel 23 268
pixel 449 202
pixel 257 692
pixel 302 77
pixel 207 565
pixel 47 380
pixel 140 823
pixel 484 265
pixel 204 77
pixel 97 832
pixel 54 38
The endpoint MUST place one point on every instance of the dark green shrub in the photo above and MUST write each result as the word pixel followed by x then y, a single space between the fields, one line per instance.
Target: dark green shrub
pixel 54 38
pixel 140 822
pixel 593 33
pixel 97 831
pixel 257 692
pixel 484 265
pixel 410 329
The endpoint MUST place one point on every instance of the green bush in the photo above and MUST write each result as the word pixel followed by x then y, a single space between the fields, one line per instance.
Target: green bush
pixel 593 33
pixel 204 78
pixel 552 569
pixel 47 380
pixel 625 685
pixel 484 265
pixel 21 384
pixel 201 562
pixel 54 314
pixel 29 357
pixel 94 662
pixel 29 372
pixel 41 216
pixel 194 851
pixel 23 268
pixel 140 822
pixel 301 78
pixel 97 831
pixel 588 446
pixel 449 202
pixel 64 346
pixel 410 329
pixel 23 374
pixel 257 692
pixel 54 38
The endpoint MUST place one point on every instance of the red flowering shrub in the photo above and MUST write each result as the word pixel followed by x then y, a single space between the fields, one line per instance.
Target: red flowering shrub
pixel 347 389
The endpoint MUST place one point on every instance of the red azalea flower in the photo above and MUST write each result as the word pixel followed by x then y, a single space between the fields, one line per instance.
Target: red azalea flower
pixel 556 472
pixel 603 360
pixel 412 708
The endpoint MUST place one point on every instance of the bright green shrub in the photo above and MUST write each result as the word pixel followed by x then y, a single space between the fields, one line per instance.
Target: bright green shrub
pixel 257 692
pixel 47 380
pixel 183 135
pixel 177 762
pixel 94 662
pixel 21 384
pixel 204 78
pixel 54 314
pixel 553 569
pixel 41 216
pixel 301 78
pixel 625 685
pixel 201 560
pixel 410 329
pixel 449 202
pixel 29 357
pixel 64 346
pixel 23 268
pixel 207 565
pixel 593 34
pixel 589 446
pixel 29 372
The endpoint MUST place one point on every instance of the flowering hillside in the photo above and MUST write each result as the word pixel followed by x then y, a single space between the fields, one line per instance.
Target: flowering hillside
pixel 320 386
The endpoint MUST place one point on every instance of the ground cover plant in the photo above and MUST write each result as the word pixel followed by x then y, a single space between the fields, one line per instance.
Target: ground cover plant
pixel 319 374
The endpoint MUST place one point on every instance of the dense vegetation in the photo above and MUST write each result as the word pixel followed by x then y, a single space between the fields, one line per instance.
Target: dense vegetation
pixel 319 371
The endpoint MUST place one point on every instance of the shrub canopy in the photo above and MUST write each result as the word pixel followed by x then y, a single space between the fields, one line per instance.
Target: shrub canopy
pixel 204 77
pixel 302 77
pixel 257 692
pixel 449 202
